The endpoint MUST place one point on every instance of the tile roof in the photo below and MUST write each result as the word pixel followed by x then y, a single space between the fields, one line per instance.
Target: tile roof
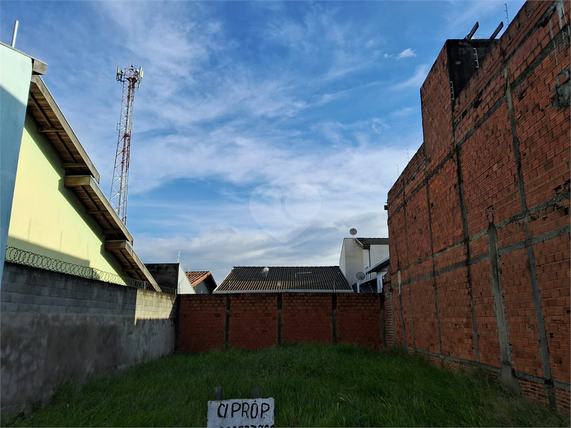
pixel 197 276
pixel 372 241
pixel 284 278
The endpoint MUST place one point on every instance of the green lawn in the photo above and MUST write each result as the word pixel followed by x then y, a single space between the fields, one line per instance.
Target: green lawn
pixel 341 385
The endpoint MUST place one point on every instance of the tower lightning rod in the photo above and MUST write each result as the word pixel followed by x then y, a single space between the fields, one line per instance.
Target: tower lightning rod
pixel 131 78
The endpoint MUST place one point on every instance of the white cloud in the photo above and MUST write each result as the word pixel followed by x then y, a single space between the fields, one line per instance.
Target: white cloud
pixel 206 117
pixel 326 98
pixel 351 181
pixel 416 80
pixel 403 112
pixel 246 157
pixel 407 53
pixel 218 249
pixel 333 46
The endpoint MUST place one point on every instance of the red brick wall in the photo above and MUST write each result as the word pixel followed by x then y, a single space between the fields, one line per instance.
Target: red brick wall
pixel 253 321
pixel 260 320
pixel 354 312
pixel 479 219
pixel 306 317
pixel 201 322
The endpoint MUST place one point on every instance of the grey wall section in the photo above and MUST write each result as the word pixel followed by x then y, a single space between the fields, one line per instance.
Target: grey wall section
pixel 166 274
pixel 171 277
pixel 57 327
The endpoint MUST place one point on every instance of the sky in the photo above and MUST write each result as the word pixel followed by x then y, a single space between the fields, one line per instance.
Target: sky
pixel 263 131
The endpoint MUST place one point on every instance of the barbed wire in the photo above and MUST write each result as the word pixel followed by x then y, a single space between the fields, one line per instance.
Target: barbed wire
pixel 168 290
pixel 28 258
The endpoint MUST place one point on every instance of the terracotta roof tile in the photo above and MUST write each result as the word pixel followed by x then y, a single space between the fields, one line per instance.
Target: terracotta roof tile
pixel 197 276
pixel 284 278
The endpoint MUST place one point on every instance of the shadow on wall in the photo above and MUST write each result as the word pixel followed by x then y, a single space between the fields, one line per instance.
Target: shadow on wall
pixel 57 327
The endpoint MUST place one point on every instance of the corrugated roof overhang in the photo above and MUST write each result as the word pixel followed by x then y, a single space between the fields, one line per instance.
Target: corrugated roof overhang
pixel 97 205
pixel 130 262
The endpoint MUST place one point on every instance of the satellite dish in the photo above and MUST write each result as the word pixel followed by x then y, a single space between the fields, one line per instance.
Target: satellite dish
pixel 353 231
pixel 360 276
pixel 265 271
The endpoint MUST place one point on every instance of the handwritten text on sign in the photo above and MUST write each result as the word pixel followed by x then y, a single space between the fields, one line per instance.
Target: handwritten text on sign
pixel 258 413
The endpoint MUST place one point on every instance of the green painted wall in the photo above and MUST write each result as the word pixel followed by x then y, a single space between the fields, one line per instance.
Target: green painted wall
pixel 47 218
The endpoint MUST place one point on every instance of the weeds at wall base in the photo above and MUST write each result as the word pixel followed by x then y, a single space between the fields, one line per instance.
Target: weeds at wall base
pixel 313 385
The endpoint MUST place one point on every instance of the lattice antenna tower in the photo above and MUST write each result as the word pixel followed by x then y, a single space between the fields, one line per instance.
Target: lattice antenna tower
pixel 131 78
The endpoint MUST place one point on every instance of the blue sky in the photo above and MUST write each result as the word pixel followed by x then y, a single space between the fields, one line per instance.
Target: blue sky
pixel 263 131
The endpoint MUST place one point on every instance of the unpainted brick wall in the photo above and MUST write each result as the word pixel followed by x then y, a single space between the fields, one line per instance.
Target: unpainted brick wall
pixel 359 319
pixel 260 320
pixel 201 322
pixel 306 317
pixel 253 321
pixel 479 219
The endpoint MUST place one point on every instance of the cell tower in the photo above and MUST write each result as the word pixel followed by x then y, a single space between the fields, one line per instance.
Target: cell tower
pixel 131 78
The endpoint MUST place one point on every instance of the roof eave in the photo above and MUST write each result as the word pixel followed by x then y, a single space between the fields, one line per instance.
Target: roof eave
pixel 57 130
pixel 130 262
pixel 97 205
pixel 198 280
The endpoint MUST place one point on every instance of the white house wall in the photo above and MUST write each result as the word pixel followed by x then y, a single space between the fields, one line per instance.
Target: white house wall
pixel 184 285
pixel 353 259
pixel 378 253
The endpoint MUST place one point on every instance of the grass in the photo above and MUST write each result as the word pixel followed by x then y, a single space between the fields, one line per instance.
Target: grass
pixel 313 385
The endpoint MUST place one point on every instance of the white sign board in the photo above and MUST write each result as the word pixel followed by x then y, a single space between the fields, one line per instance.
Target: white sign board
pixel 256 413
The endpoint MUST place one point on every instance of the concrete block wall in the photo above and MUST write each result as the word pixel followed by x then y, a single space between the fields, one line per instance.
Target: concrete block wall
pixel 153 305
pixel 479 219
pixel 27 289
pixel 57 327
pixel 260 320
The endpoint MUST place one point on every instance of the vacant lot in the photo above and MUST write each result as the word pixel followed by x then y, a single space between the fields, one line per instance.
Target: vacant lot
pixel 312 385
